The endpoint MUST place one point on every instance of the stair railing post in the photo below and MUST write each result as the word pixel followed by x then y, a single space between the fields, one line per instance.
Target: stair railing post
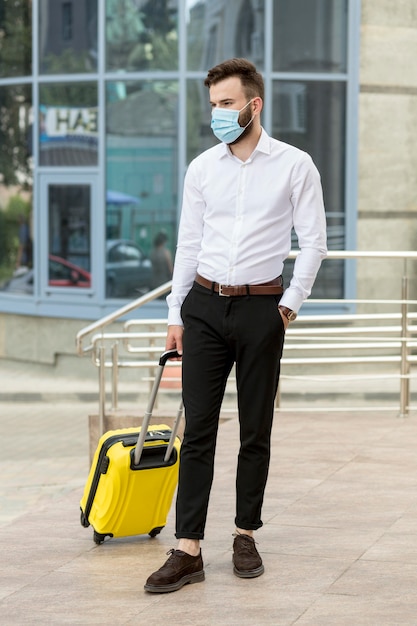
pixel 115 375
pixel 405 366
pixel 102 388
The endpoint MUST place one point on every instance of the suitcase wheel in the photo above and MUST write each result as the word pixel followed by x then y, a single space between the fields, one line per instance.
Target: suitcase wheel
pixel 155 531
pixel 84 521
pixel 99 538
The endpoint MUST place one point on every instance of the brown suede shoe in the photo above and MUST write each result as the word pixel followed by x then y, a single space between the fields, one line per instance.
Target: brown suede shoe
pixel 179 570
pixel 246 560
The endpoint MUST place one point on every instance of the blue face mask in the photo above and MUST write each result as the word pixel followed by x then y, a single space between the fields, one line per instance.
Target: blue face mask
pixel 225 124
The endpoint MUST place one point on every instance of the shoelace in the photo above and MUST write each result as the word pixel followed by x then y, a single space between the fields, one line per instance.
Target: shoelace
pixel 171 553
pixel 248 543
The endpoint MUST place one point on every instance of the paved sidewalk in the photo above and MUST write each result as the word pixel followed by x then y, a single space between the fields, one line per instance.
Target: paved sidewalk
pixel 339 540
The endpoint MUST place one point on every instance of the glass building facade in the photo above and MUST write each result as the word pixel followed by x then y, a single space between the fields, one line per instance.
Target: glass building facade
pixel 102 106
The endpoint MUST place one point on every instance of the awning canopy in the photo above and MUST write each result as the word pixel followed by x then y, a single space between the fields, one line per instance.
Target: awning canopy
pixel 117 197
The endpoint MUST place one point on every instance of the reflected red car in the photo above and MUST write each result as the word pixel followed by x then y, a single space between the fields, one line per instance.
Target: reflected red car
pixel 62 273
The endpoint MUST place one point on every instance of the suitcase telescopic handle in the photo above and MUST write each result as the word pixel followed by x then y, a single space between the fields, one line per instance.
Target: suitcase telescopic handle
pixel 169 354
pixel 165 356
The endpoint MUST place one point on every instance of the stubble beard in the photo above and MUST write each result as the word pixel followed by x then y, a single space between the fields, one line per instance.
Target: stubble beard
pixel 244 119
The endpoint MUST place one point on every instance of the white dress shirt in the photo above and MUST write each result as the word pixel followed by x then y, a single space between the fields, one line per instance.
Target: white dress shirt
pixel 236 221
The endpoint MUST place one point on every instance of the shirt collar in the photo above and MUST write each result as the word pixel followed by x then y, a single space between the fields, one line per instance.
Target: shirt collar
pixel 262 146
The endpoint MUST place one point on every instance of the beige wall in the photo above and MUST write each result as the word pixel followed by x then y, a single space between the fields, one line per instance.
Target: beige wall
pixel 37 339
pixel 51 341
pixel 387 200
pixel 47 341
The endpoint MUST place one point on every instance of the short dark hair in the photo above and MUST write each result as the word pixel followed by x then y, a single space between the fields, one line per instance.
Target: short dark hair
pixel 251 79
pixel 160 238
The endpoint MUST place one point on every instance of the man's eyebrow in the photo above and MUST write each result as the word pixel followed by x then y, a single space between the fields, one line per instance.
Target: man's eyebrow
pixel 223 100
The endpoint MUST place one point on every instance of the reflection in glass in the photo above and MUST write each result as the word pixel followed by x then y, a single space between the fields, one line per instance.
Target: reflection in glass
pixel 199 134
pixel 128 269
pixel 142 172
pixel 311 116
pixel 68 124
pixel 67 36
pixel 69 208
pixel 142 35
pixel 161 260
pixel 16 179
pixel 15 38
pixel 310 35
pixel 221 30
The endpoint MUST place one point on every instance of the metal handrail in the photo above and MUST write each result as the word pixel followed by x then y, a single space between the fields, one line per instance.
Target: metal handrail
pixel 402 329
pixel 162 289
pixel 116 315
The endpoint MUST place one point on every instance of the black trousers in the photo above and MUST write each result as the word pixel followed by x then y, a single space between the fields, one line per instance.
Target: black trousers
pixel 220 331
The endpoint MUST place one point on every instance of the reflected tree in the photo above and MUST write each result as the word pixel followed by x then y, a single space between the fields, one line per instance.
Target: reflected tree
pixel 141 37
pixel 16 100
pixel 15 38
pixel 15 135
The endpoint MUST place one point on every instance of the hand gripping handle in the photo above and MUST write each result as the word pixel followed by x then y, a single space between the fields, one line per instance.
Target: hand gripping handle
pixel 169 354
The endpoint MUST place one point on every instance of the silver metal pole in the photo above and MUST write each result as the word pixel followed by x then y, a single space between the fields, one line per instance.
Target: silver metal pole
pixel 115 375
pixel 174 432
pixel 405 366
pixel 148 413
pixel 147 416
pixel 102 388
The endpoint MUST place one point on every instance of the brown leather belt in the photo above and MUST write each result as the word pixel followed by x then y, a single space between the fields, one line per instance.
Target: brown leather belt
pixel 272 288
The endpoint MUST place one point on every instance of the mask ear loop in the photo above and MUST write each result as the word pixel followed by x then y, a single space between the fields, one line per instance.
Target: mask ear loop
pixel 246 105
pixel 250 122
pixel 253 116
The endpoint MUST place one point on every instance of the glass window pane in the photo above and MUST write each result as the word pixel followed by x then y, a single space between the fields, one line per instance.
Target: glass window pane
pixel 67 36
pixel 310 35
pixel 311 116
pixel 69 262
pixel 199 134
pixel 142 173
pixel 221 30
pixel 16 179
pixel 16 38
pixel 142 35
pixel 68 125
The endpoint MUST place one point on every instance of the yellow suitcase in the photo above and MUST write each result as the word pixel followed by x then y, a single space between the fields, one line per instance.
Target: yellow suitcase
pixel 133 476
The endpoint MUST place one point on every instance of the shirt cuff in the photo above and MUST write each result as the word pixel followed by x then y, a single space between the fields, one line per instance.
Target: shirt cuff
pixel 292 300
pixel 174 317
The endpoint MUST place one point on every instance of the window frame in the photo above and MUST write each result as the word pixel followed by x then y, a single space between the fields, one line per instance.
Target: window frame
pixel 98 305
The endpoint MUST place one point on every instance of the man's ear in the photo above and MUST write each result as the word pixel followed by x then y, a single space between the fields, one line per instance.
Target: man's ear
pixel 258 104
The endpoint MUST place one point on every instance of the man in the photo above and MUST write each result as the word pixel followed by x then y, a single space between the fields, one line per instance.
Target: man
pixel 241 199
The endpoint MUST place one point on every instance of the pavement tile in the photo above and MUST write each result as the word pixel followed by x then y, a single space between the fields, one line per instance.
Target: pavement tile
pixel 338 543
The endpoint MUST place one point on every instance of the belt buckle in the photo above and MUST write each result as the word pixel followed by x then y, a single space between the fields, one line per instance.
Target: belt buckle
pixel 225 295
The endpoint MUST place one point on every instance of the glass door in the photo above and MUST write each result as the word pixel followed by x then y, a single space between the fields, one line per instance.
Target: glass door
pixel 66 250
